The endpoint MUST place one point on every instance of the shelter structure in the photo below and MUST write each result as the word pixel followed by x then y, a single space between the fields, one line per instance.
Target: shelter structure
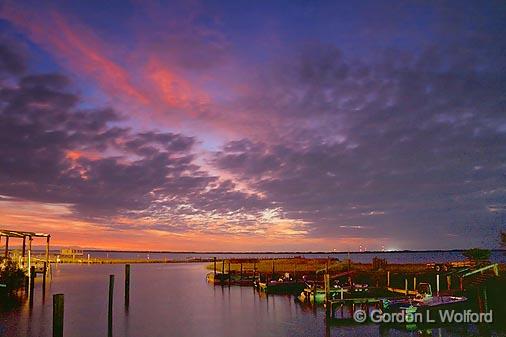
pixel 26 252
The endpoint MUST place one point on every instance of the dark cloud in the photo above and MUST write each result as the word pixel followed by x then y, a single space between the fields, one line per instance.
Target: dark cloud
pixel 11 60
pixel 404 145
pixel 389 124
pixel 51 150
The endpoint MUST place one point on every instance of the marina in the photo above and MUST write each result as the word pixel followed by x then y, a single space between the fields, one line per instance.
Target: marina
pixel 164 288
pixel 334 290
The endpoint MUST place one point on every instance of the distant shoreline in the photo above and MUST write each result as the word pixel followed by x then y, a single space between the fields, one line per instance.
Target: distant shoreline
pixel 284 253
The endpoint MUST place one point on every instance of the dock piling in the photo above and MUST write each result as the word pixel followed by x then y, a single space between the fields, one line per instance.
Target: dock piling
pixel 222 271
pixel 127 285
pixel 214 260
pixel 58 309
pixel 32 283
pixel 437 284
pixel 44 273
pixel 111 293
pixel 229 275
pixel 388 278
pixel 6 247
pixel 327 294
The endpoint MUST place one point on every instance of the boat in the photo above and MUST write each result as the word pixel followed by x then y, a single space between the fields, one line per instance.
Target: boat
pixel 425 300
pixel 232 279
pixel 308 294
pixel 283 285
pixel 336 291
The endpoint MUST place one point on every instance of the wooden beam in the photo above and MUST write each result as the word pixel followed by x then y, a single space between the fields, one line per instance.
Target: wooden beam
pixel 6 247
pixel 491 266
pixel 47 248
pixel 23 253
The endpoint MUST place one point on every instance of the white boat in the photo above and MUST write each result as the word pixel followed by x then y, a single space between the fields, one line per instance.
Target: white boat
pixel 424 299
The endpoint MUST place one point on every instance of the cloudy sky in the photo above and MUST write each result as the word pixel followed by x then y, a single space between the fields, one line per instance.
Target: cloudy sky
pixel 254 125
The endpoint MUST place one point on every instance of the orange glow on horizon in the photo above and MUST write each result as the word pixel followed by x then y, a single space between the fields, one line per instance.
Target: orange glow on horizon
pixel 56 219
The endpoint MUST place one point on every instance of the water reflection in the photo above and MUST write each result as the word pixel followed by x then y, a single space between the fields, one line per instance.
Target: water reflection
pixel 175 300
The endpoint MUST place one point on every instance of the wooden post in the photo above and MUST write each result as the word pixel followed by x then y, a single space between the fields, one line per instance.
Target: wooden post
pixel 214 260
pixel 327 293
pixel 6 246
pixel 485 299
pixel 44 272
pixel 414 283
pixel 23 252
pixel 29 255
pixel 229 275
pixel 388 278
pixel 241 270
pixel 406 286
pixel 272 276
pixel 496 269
pixel 461 283
pixel 47 249
pixel 58 309
pixel 127 285
pixel 111 294
pixel 448 282
pixel 254 269
pixel 437 284
pixel 314 292
pixel 32 283
pixel 29 266
pixel 326 280
pixel 222 276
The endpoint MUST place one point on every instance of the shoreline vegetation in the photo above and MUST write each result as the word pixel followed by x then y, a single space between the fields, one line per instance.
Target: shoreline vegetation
pixel 299 266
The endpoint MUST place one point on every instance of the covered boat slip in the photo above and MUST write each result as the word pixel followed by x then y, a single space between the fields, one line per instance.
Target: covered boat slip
pixel 26 259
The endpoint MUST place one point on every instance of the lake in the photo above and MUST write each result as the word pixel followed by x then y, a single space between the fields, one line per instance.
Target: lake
pixel 175 300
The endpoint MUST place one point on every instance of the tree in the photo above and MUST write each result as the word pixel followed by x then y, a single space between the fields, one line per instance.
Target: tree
pixel 477 254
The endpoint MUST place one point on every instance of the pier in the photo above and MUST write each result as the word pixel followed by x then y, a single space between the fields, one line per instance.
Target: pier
pixel 27 259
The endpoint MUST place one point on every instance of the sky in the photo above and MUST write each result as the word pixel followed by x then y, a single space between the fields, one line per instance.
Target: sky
pixel 254 125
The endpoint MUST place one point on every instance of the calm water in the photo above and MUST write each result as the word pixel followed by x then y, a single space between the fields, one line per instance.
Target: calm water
pixel 404 257
pixel 175 300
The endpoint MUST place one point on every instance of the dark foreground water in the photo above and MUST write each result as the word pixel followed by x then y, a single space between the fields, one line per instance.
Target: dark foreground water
pixel 175 300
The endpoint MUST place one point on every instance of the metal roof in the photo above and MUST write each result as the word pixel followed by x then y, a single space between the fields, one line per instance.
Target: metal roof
pixel 21 234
